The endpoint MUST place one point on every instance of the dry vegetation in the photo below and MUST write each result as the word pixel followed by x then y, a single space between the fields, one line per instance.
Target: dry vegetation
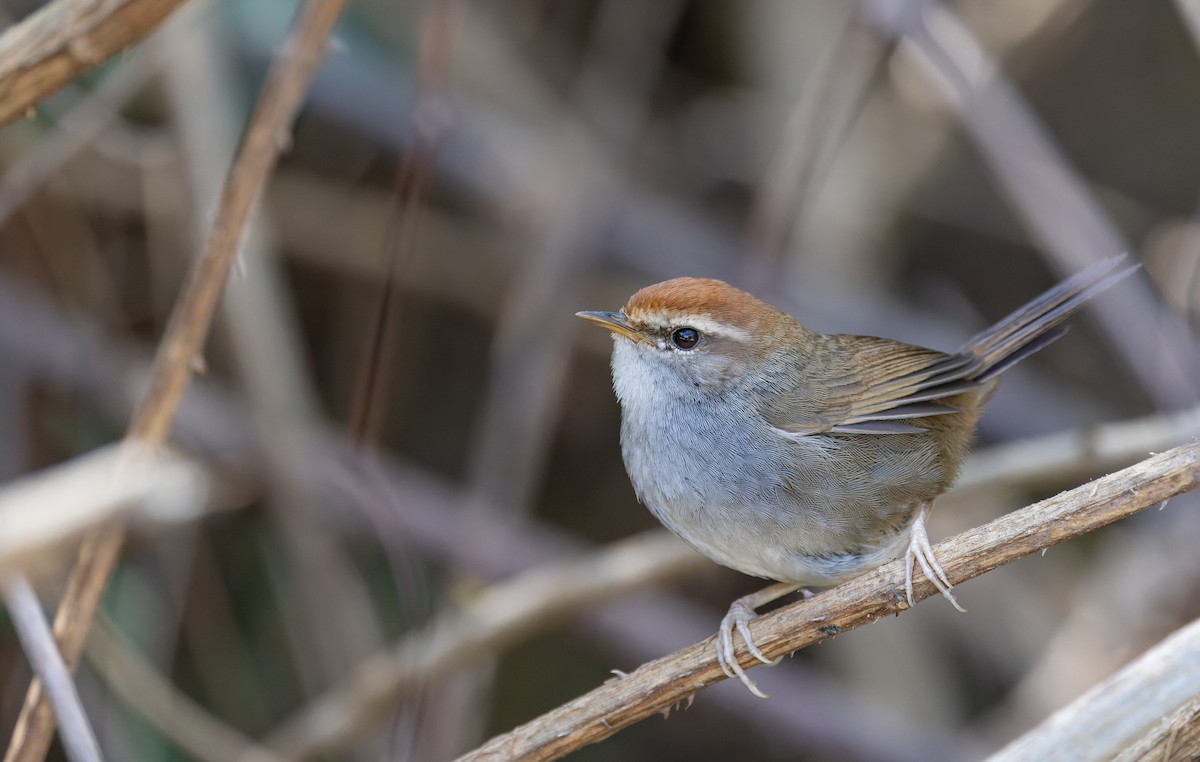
pixel 378 510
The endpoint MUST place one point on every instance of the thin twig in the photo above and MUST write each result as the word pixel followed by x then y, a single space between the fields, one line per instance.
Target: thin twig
pixel 61 40
pixel 430 117
pixel 281 97
pixel 265 137
pixel 402 240
pixel 661 684
pixel 77 735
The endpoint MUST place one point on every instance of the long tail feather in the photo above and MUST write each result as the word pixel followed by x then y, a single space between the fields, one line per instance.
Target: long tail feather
pixel 1032 327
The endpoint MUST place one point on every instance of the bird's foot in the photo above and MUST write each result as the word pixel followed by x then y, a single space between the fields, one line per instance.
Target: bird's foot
pixel 741 613
pixel 920 551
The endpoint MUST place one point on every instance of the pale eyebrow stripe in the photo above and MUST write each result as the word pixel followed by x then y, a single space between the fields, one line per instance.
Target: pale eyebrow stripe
pixel 702 323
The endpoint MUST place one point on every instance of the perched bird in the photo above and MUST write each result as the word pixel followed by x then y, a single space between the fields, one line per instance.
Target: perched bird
pixel 797 456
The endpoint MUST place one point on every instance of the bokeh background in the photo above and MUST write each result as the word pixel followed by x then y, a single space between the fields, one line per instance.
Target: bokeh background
pixel 398 409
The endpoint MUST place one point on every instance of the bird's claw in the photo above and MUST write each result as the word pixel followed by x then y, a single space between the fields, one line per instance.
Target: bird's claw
pixel 920 551
pixel 739 617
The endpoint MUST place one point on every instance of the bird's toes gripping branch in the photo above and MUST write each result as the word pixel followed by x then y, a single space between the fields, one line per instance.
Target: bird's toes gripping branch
pixel 741 613
pixel 920 551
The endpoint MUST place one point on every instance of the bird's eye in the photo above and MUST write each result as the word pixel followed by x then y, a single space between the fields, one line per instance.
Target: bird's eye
pixel 685 338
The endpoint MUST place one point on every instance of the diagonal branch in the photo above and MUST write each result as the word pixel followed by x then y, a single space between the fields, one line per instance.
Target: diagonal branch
pixel 174 363
pixel 659 685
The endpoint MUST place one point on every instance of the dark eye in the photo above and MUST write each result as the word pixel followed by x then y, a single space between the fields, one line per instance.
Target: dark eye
pixel 685 338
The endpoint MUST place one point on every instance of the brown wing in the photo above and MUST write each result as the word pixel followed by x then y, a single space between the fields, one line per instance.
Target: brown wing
pixel 870 386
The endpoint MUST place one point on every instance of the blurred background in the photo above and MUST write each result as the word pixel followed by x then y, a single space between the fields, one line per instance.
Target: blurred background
pixel 397 408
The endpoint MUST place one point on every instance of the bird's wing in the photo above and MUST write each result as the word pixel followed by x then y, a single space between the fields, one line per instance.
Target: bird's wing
pixel 865 385
pixel 871 386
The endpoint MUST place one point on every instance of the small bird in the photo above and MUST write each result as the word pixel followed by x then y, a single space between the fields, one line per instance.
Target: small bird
pixel 797 456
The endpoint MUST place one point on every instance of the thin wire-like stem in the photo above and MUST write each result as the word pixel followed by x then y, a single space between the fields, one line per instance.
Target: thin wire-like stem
pixel 38 641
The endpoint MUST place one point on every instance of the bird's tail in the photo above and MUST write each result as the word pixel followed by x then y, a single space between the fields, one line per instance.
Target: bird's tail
pixel 1039 323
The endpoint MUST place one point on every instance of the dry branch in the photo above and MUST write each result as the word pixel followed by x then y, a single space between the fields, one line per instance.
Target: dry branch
pixel 54 45
pixel 1175 737
pixel 1069 455
pixel 659 685
pixel 1126 710
pixel 262 331
pixel 181 345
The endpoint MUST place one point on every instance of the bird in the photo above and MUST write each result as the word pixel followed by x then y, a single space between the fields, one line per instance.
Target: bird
pixel 797 456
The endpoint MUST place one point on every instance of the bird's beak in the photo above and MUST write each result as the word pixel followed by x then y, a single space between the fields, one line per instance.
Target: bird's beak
pixel 615 322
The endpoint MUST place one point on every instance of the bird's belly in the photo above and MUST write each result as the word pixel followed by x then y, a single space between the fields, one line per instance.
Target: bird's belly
pixel 794 553
pixel 804 518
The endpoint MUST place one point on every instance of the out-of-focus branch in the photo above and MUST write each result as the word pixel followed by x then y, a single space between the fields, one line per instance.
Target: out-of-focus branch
pixel 38 642
pixel 102 486
pixel 815 129
pixel 1151 703
pixel 1076 453
pixel 63 39
pixel 135 680
pixel 281 98
pixel 1043 188
pixel 79 127
pixel 1190 11
pixel 181 345
pixel 657 686
pixel 261 328
pixel 495 618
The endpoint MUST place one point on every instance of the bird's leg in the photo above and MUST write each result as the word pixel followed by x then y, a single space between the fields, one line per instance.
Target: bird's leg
pixel 921 551
pixel 741 613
